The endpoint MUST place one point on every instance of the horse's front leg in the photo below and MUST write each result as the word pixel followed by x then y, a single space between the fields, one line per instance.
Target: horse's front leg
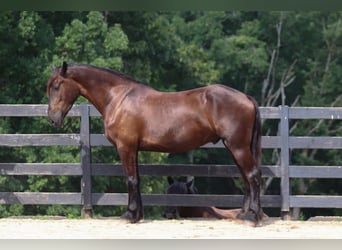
pixel 129 157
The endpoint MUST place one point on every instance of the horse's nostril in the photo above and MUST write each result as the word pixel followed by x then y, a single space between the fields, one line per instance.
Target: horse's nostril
pixel 53 123
pixel 169 216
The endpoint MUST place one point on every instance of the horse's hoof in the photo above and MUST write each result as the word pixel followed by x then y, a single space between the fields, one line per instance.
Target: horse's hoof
pixel 128 215
pixel 170 216
pixel 249 218
pixel 243 215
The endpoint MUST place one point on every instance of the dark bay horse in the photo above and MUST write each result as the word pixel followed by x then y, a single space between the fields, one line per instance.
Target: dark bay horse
pixel 137 117
pixel 179 187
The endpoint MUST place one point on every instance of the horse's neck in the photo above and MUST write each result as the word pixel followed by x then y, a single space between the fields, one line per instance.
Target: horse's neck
pixel 98 89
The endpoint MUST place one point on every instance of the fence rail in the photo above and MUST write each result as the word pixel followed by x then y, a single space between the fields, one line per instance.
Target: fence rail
pixel 85 140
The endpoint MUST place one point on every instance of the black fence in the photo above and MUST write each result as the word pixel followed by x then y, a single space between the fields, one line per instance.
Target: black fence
pixel 85 140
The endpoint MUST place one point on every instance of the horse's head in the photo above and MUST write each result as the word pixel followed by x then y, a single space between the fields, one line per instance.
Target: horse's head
pixel 62 92
pixel 178 187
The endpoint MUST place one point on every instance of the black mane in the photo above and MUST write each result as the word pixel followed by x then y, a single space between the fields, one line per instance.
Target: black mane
pixel 116 73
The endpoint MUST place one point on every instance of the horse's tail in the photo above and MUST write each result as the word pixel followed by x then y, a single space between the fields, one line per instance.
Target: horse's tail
pixel 256 136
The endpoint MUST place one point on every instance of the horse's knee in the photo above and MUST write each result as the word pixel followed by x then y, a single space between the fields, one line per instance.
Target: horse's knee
pixel 132 181
pixel 254 174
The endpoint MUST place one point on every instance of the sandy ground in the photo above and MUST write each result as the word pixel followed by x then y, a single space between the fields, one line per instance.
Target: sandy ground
pixel 116 228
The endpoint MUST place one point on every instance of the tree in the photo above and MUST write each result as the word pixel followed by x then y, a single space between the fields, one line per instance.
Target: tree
pixel 25 41
pixel 322 80
pixel 91 42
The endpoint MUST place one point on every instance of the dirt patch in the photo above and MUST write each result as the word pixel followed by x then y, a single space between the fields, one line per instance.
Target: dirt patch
pixel 116 228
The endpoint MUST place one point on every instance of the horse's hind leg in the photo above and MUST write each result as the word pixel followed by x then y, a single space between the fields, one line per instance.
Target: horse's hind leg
pixel 252 180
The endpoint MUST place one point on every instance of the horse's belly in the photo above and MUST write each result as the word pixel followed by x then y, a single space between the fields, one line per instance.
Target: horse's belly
pixel 179 139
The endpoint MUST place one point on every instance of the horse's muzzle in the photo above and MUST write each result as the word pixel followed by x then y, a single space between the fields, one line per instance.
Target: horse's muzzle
pixel 170 216
pixel 56 119
pixel 170 213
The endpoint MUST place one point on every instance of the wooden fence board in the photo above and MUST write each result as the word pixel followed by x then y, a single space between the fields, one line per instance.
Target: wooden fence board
pixel 75 169
pixel 284 162
pixel 72 169
pixel 26 198
pixel 322 142
pixel 270 112
pixel 33 198
pixel 14 140
pixel 266 142
pixel 106 199
pixel 85 161
pixel 25 110
pixel 199 200
pixel 30 110
pixel 19 140
pixel 316 201
pixel 180 170
pixel 333 113
pixel 315 171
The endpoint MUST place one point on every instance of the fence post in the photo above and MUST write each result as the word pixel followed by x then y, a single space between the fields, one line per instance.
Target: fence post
pixel 284 163
pixel 85 162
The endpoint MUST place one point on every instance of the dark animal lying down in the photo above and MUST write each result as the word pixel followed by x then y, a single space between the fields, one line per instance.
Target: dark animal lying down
pixel 178 187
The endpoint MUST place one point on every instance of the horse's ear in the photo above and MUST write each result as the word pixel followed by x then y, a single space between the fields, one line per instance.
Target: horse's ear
pixel 170 180
pixel 64 69
pixel 190 184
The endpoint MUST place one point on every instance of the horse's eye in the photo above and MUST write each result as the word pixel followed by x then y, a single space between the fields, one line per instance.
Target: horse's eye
pixel 56 85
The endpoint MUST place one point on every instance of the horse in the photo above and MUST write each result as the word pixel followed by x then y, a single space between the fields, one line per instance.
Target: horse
pixel 179 187
pixel 137 117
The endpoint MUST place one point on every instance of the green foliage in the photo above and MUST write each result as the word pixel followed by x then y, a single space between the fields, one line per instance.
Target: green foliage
pixel 324 74
pixel 91 42
pixel 27 24
pixel 25 48
pixel 196 63
pixel 11 210
pixel 240 53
